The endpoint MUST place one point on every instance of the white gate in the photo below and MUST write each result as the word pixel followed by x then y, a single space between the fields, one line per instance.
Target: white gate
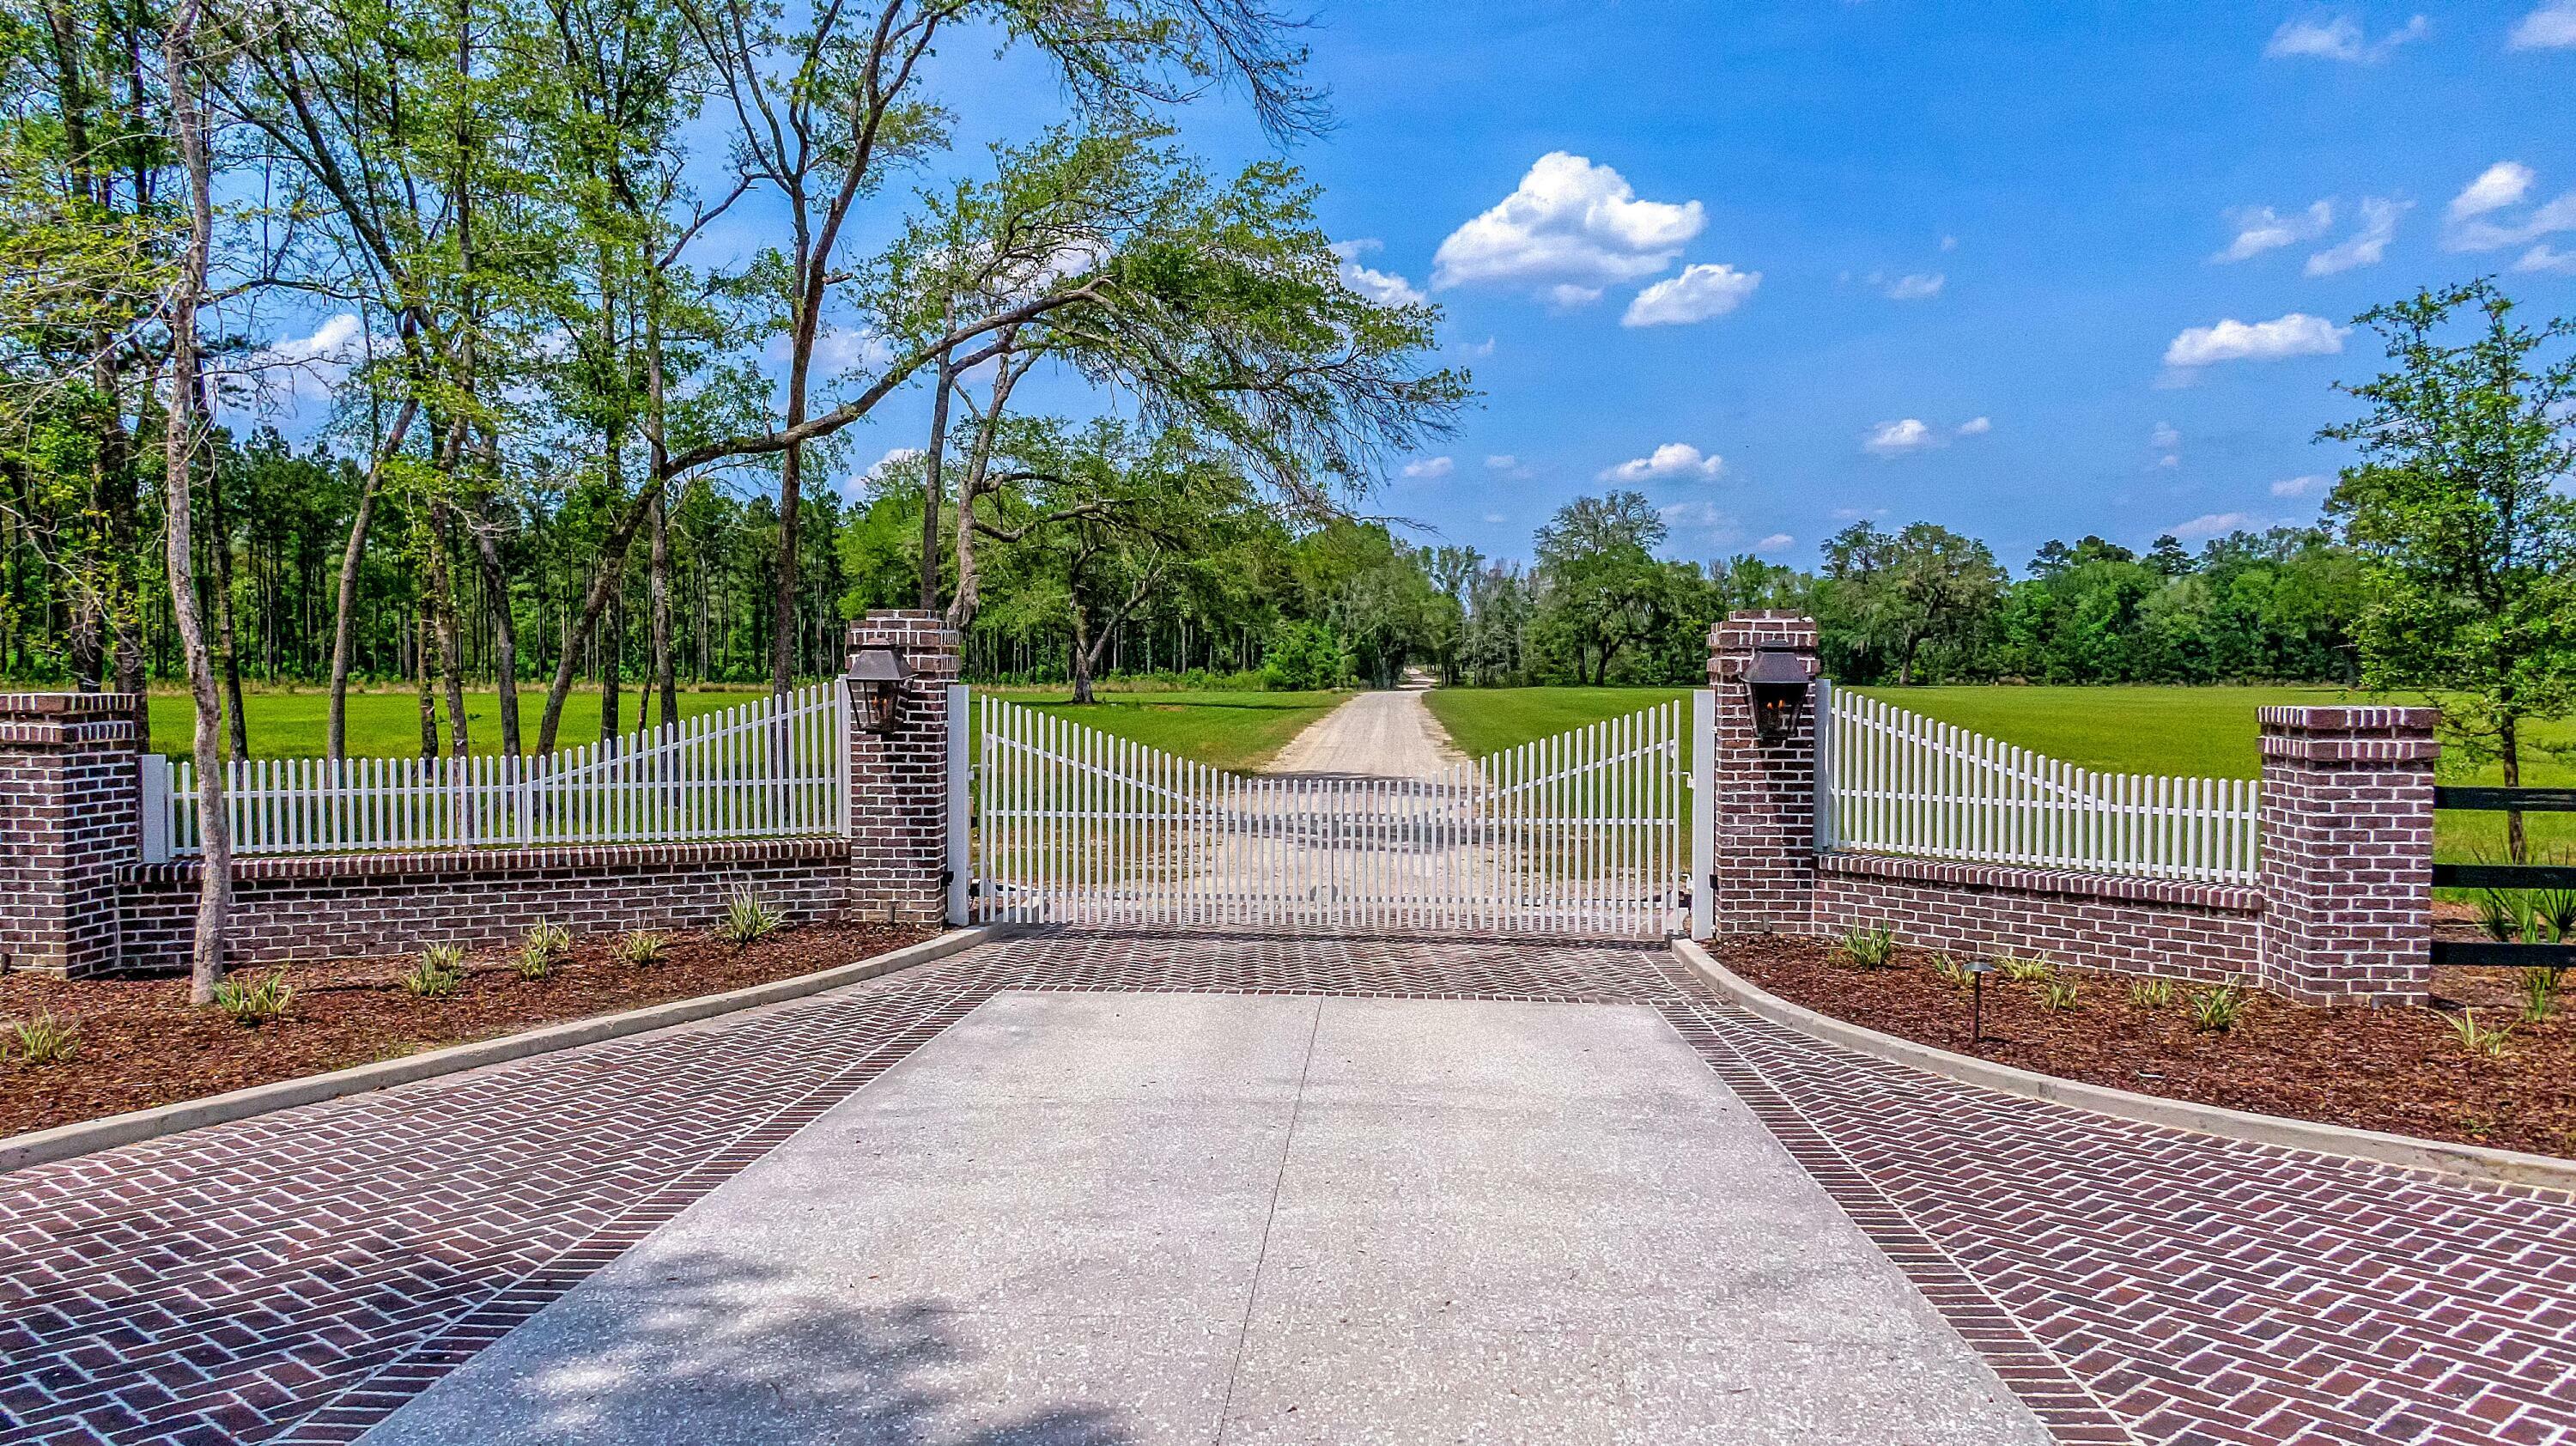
pixel 1579 834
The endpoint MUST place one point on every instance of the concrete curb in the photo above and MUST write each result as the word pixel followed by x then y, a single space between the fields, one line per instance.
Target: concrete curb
pixel 2509 1167
pixel 82 1137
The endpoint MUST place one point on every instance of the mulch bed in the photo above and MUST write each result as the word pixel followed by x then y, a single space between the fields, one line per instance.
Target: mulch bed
pixel 142 1044
pixel 2402 1070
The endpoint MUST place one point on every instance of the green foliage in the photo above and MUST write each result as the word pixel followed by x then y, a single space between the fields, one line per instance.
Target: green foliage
pixel 2539 994
pixel 41 1039
pixel 435 975
pixel 747 919
pixel 2059 993
pixel 255 1004
pixel 2151 993
pixel 1870 946
pixel 1605 603
pixel 2026 969
pixel 1950 971
pixel 1304 656
pixel 643 949
pixel 2217 1010
pixel 539 950
pixel 2482 1042
pixel 1894 597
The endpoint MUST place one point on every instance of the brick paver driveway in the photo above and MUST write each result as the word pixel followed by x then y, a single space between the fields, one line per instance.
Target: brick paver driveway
pixel 299 1276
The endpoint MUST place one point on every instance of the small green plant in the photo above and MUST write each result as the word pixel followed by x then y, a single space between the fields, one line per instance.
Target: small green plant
pixel 537 952
pixel 2539 995
pixel 440 968
pixel 42 1039
pixel 643 949
pixel 2502 917
pixel 1870 946
pixel 2486 1043
pixel 2151 993
pixel 747 918
pixel 2058 994
pixel 1950 971
pixel 2036 969
pixel 2558 906
pixel 255 1004
pixel 2216 1011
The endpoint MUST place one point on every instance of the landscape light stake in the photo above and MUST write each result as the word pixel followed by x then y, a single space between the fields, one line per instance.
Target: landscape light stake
pixel 1977 1003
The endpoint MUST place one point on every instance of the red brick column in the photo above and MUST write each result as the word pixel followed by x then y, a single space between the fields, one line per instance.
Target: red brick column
pixel 1764 880
pixel 899 780
pixel 2346 838
pixel 69 818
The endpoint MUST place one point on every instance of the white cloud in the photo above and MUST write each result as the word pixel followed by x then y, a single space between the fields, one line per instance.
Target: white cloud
pixel 1430 467
pixel 1917 286
pixel 1976 426
pixel 1506 465
pixel 1568 230
pixel 1895 439
pixel 2545 257
pixel 1673 459
pixel 839 349
pixel 1494 517
pixel 2297 334
pixel 2306 486
pixel 2164 438
pixel 2366 246
pixel 1855 514
pixel 1776 542
pixel 310 368
pixel 1483 348
pixel 1949 243
pixel 2470 223
pixel 1383 287
pixel 1699 293
pixel 2547 28
pixel 2340 37
pixel 2214 524
pixel 2260 229
pixel 860 484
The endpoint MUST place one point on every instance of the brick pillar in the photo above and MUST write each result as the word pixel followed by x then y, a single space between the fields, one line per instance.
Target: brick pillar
pixel 2346 841
pixel 899 780
pixel 1765 876
pixel 70 816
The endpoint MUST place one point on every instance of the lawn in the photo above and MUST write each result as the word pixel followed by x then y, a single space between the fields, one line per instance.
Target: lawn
pixel 2201 731
pixel 387 725
pixel 1239 731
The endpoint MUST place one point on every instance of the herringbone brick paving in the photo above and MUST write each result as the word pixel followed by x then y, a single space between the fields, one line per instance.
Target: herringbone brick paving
pixel 298 1276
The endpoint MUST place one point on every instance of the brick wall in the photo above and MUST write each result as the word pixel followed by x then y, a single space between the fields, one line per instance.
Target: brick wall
pixel 364 905
pixel 2346 819
pixel 899 779
pixel 2204 932
pixel 1765 876
pixel 68 821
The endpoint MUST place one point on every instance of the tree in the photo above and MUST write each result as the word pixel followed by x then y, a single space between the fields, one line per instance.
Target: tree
pixel 1925 586
pixel 2460 510
pixel 1601 591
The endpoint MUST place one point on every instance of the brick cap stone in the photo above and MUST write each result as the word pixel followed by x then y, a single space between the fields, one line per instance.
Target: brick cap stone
pixel 2346 719
pixel 1764 627
pixel 2225 898
pixel 69 705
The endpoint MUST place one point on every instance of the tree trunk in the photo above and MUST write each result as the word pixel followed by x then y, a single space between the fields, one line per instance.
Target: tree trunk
pixel 221 546
pixel 931 491
pixel 2509 744
pixel 505 637
pixel 611 680
pixel 577 626
pixel 420 649
pixel 343 617
pixel 442 607
pixel 179 433
pixel 658 595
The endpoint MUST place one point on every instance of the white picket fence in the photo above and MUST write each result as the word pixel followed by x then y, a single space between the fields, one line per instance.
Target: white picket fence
pixel 1893 781
pixel 1581 833
pixel 756 770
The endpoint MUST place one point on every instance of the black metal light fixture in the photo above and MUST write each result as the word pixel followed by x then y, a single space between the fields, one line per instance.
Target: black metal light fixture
pixel 1778 682
pixel 880 670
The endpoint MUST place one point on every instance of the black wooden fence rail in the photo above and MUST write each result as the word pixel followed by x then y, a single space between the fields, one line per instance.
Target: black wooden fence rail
pixel 2491 953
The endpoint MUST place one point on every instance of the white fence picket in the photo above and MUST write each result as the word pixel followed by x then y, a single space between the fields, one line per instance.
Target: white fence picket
pixel 757 770
pixel 1893 781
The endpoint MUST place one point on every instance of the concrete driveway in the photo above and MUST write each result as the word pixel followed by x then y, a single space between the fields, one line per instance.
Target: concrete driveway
pixel 1088 1219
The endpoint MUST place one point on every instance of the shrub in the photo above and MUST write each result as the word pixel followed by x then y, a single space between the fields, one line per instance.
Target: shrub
pixel 2036 969
pixel 2539 995
pixel 643 949
pixel 747 917
pixel 441 968
pixel 2151 993
pixel 2501 918
pixel 2215 1011
pixel 1870 946
pixel 254 1004
pixel 2558 906
pixel 1305 655
pixel 537 952
pixel 1950 971
pixel 2487 1043
pixel 2058 994
pixel 43 1039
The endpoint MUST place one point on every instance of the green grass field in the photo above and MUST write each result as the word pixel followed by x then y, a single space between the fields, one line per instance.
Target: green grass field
pixel 2200 731
pixel 387 725
pixel 1232 730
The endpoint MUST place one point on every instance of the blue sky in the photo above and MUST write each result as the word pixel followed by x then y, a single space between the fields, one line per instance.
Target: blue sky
pixel 2029 270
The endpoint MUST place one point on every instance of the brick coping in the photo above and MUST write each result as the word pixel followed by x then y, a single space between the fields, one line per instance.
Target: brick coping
pixel 542 859
pixel 2222 898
